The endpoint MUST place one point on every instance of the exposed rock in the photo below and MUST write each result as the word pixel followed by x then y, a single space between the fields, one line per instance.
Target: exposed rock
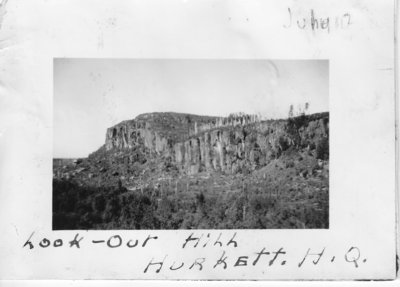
pixel 155 131
pixel 198 144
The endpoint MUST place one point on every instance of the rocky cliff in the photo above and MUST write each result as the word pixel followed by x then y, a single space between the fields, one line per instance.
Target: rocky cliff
pixel 155 131
pixel 182 171
pixel 239 143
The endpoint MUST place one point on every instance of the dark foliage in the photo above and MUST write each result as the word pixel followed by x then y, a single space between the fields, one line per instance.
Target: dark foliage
pixel 277 177
pixel 83 207
pixel 294 125
pixel 323 149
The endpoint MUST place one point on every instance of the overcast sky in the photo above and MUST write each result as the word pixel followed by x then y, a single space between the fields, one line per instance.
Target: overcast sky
pixel 91 95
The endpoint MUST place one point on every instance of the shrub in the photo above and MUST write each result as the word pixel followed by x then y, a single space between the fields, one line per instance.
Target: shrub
pixel 99 203
pixel 113 208
pixel 283 143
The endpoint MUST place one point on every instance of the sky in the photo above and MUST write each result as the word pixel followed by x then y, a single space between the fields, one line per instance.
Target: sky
pixel 91 95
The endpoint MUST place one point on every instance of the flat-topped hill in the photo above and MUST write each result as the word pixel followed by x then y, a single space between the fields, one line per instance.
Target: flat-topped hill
pixel 196 171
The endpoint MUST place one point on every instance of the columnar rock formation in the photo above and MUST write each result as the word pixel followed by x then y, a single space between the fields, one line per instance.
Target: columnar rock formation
pixel 233 144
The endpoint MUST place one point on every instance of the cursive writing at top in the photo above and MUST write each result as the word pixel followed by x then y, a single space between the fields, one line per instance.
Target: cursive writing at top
pixel 312 22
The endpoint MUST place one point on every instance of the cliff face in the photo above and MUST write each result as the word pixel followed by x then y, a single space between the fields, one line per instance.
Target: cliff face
pixel 238 144
pixel 170 171
pixel 155 131
pixel 127 135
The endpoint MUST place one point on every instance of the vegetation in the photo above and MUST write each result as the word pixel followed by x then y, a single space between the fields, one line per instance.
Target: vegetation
pixel 261 174
pixel 295 199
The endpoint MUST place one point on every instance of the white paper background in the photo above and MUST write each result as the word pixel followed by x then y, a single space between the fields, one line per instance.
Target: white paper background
pixel 362 190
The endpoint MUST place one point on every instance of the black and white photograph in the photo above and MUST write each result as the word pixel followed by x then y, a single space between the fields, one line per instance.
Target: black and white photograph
pixel 202 143
pixel 191 144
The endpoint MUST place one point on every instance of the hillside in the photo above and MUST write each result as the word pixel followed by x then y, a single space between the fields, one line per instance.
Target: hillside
pixel 171 170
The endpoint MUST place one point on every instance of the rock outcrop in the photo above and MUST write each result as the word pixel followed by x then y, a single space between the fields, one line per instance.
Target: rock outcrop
pixel 198 143
pixel 181 171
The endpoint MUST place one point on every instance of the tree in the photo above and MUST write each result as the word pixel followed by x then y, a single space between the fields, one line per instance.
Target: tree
pixel 306 106
pixel 291 111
